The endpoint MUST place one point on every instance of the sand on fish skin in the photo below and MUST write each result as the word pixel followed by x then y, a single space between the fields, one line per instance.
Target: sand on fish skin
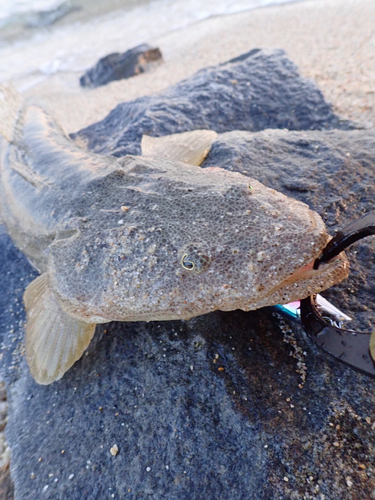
pixel 331 41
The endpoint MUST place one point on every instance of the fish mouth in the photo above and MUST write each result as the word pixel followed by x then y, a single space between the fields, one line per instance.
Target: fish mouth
pixel 306 272
pixel 306 280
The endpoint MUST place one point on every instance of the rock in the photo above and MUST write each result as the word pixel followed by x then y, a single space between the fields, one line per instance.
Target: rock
pixel 117 66
pixel 226 405
pixel 259 90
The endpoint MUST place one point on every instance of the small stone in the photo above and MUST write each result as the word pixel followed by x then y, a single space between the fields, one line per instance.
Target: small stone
pixel 114 450
pixel 118 66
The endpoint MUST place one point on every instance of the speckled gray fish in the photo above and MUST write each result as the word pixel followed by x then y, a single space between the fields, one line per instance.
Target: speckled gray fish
pixel 142 238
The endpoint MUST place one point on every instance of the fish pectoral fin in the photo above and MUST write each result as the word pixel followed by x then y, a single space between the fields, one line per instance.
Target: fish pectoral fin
pixel 54 339
pixel 189 147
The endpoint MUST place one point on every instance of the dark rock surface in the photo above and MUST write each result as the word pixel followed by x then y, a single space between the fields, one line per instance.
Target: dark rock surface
pixel 228 405
pixel 117 66
pixel 259 90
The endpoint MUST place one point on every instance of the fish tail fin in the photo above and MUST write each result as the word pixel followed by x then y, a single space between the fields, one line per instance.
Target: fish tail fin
pixel 54 339
pixel 10 105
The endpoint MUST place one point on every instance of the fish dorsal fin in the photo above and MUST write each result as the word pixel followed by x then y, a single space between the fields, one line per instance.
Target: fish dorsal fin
pixel 190 147
pixel 54 340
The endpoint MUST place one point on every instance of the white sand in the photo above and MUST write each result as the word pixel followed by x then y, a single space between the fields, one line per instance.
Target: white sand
pixel 332 42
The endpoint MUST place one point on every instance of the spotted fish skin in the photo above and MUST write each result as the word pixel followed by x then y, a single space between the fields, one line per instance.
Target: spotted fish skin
pixel 140 226
pixel 144 237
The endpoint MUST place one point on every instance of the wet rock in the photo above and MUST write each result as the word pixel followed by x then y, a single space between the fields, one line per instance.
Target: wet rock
pixel 117 66
pixel 227 405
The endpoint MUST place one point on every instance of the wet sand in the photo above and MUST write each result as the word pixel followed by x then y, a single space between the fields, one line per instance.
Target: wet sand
pixel 331 41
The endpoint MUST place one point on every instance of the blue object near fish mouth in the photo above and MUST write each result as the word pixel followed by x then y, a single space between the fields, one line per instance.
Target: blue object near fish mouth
pixel 347 346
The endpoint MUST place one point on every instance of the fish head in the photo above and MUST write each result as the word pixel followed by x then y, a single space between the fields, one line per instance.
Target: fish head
pixel 162 240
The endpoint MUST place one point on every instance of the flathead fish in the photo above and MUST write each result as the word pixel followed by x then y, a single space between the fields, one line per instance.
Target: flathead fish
pixel 142 238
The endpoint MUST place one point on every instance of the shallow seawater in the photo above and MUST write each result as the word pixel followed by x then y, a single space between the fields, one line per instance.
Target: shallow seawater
pixel 39 38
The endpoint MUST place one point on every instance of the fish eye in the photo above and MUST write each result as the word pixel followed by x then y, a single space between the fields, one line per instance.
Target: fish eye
pixel 194 259
pixel 187 264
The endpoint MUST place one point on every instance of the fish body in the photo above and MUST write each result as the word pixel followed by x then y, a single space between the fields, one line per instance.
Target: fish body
pixel 38 167
pixel 144 238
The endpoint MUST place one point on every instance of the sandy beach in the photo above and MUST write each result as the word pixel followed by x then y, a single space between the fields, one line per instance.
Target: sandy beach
pixel 331 41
